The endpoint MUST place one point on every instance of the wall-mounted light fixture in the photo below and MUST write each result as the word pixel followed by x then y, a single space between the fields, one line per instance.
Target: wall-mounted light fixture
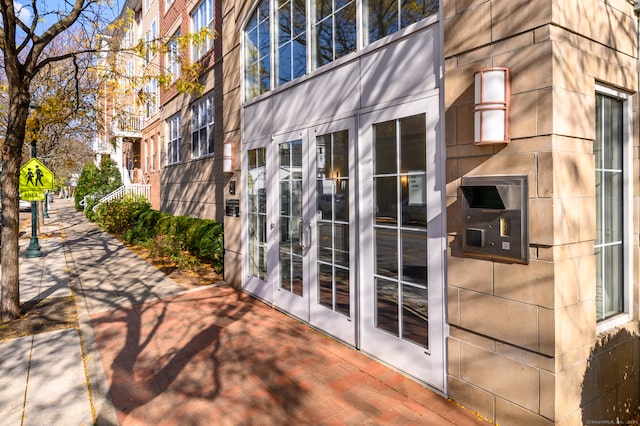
pixel 491 109
pixel 227 158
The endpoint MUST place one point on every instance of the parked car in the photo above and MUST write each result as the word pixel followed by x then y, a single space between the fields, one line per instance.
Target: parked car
pixel 25 206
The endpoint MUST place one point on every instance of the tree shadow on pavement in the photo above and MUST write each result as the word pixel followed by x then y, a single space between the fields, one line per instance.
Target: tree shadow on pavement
pixel 187 357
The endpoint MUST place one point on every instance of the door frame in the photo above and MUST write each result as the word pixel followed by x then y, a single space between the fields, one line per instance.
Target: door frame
pixel 261 289
pixel 292 304
pixel 334 323
pixel 425 365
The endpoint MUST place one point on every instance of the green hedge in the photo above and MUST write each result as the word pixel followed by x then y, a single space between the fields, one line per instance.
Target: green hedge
pixel 117 216
pixel 202 238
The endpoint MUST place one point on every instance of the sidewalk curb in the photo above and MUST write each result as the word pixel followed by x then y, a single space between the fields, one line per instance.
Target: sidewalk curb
pixel 104 412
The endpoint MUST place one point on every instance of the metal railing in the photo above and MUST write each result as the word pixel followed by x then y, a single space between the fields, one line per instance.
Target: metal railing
pixel 127 124
pixel 133 189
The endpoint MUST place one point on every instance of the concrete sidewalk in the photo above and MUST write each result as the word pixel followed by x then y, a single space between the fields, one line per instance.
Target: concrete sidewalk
pixel 43 378
pixel 147 351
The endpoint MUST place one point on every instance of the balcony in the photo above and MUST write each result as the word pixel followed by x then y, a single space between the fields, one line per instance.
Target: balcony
pixel 127 126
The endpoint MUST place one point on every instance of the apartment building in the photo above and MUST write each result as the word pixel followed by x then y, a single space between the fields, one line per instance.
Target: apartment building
pixel 450 187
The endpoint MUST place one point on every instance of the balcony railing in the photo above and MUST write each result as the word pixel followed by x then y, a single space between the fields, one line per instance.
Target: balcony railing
pixel 127 125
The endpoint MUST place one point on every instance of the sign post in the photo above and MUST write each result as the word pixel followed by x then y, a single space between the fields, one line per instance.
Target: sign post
pixel 35 178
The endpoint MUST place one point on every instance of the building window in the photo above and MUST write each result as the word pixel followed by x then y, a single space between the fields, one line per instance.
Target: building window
pixel 173 58
pixel 400 228
pixel 257 47
pixel 334 30
pixel 385 17
pixel 291 40
pixel 150 38
pixel 173 145
pixel 202 127
pixel 152 154
pixel 151 97
pixel 146 156
pixel 202 19
pixel 613 207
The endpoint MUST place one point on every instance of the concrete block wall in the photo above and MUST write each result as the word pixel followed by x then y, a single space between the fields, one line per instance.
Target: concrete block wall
pixel 523 336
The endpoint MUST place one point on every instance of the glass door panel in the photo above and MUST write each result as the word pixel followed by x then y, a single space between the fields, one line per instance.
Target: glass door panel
pixel 257 230
pixel 400 254
pixel 291 221
pixel 332 275
pixel 293 227
pixel 403 240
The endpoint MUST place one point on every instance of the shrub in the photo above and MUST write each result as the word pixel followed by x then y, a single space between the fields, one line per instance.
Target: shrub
pixel 119 215
pixel 167 236
pixel 97 182
pixel 145 227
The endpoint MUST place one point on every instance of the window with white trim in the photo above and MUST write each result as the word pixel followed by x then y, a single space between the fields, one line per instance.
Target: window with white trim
pixel 146 156
pixel 612 152
pixel 151 97
pixel 337 28
pixel 257 52
pixel 291 39
pixel 385 17
pixel 173 140
pixel 173 57
pixel 152 147
pixel 202 127
pixel 202 18
pixel 334 29
pixel 150 38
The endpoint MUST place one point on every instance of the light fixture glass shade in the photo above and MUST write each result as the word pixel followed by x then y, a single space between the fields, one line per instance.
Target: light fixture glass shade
pixel 491 108
pixel 227 158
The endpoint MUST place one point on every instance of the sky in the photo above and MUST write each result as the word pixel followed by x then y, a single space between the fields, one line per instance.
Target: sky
pixel 47 9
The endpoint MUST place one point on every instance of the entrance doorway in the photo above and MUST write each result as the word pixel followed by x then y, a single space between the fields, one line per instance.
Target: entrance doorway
pixel 404 240
pixel 345 230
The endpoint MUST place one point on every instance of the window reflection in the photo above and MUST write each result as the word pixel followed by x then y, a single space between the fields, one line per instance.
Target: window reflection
pixel 399 184
pixel 388 16
pixel 334 34
pixel 258 52
pixel 292 43
pixel 335 30
pixel 290 184
pixel 257 213
pixel 332 198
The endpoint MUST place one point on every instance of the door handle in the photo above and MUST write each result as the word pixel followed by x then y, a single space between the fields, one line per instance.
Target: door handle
pixel 305 228
pixel 301 234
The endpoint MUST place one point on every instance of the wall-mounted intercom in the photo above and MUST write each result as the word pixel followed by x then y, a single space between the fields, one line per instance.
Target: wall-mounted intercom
pixel 495 217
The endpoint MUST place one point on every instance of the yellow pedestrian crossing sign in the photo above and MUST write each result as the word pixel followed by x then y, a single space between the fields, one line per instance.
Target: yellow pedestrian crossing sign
pixel 34 176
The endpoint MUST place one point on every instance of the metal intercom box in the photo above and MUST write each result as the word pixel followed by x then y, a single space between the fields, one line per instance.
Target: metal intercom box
pixel 495 217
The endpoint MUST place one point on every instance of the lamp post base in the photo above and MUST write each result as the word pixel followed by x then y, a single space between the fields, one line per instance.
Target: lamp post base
pixel 34 248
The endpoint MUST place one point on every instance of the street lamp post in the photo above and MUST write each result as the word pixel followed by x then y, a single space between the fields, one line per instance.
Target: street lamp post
pixel 46 204
pixel 34 246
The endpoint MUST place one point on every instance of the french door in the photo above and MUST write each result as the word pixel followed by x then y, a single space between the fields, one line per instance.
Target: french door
pixel 333 271
pixel 403 239
pixel 301 233
pixel 345 230
pixel 291 220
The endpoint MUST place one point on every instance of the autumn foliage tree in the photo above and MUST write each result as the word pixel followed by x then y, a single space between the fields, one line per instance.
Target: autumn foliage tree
pixel 28 33
pixel 51 56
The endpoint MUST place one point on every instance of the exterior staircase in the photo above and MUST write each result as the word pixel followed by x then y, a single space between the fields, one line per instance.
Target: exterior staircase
pixel 132 189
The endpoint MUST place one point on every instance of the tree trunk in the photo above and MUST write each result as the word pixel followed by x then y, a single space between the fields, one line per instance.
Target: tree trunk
pixel 9 180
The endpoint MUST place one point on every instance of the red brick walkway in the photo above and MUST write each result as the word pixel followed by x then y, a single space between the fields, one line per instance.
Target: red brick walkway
pixel 218 356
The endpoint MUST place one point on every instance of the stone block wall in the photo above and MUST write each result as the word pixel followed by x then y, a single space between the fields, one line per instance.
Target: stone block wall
pixel 522 337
